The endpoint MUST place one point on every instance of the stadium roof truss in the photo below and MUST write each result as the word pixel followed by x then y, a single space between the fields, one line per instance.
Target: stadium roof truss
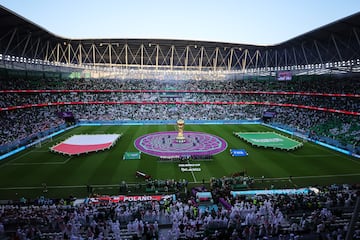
pixel 334 46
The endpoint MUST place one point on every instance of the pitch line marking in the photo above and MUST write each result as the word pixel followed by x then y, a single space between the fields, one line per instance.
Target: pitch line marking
pixel 117 185
pixel 192 173
pixel 44 151
pixel 357 162
pixel 327 155
pixel 309 156
pixel 319 176
pixel 18 157
pixel 336 153
pixel 43 163
pixel 22 155
pixel 68 186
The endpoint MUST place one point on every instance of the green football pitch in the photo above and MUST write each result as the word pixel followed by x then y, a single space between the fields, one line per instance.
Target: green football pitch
pixel 24 173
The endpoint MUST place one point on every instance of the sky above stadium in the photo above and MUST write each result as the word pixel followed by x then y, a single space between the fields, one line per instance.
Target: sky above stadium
pixel 236 21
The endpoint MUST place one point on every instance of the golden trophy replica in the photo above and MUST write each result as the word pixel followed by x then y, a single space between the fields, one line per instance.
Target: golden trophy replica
pixel 180 127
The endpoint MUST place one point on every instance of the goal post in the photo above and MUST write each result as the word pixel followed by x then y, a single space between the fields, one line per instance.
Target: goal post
pixel 42 141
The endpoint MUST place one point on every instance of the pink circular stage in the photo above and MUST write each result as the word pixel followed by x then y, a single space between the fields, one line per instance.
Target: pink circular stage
pixel 164 144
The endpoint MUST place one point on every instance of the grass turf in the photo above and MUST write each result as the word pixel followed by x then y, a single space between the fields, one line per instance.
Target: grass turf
pixel 24 173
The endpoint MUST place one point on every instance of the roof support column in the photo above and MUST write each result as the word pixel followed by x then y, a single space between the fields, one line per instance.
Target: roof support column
pixel 256 59
pixel 318 52
pixel 276 60
pixel 36 49
pixel 186 57
pixel 336 47
pixel 93 51
pixel 295 58
pixel 10 41
pixel 303 49
pixel 216 57
pixel 26 44
pixel 110 49
pixel 80 54
pixel 126 56
pixel 58 52
pixel 244 60
pixel 201 57
pixel 69 53
pixel 47 51
pixel 266 59
pixel 230 59
pixel 172 57
pixel 356 36
pixel 142 56
pixel 157 57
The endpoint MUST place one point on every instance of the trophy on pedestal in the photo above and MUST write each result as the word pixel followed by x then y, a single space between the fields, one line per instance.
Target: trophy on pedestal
pixel 180 127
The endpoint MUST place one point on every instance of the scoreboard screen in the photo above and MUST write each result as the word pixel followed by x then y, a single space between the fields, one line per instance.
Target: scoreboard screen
pixel 269 114
pixel 284 76
pixel 65 114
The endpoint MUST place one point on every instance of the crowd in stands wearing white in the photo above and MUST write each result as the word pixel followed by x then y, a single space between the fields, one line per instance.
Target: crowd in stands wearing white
pixel 21 123
pixel 324 214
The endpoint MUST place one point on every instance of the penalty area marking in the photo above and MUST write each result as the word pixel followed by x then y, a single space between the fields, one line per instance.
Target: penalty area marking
pixel 336 153
pixel 18 157
pixel 325 155
pixel 41 151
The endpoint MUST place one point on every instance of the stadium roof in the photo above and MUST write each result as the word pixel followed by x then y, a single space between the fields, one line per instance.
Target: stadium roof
pixel 335 42
pixel 10 20
pixel 339 28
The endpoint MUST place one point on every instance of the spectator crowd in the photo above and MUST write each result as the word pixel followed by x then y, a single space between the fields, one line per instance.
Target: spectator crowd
pixel 250 217
pixel 215 104
pixel 321 214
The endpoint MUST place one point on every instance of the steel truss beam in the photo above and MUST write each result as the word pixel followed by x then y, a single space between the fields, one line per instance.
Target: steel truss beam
pixel 186 55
